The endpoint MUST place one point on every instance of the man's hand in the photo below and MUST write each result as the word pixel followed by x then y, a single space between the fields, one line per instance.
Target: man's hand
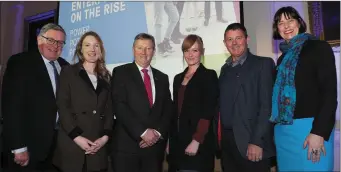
pixel 100 142
pixel 84 143
pixel 22 158
pixel 273 169
pixel 254 153
pixel 150 137
pixel 192 148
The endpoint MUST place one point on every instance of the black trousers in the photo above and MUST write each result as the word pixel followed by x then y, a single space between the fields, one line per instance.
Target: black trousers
pixel 218 9
pixel 232 160
pixel 129 162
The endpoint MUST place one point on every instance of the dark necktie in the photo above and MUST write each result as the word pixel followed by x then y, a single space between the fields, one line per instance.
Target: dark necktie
pixel 148 85
pixel 56 75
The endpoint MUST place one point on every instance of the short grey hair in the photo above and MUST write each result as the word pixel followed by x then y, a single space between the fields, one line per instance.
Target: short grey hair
pixel 51 26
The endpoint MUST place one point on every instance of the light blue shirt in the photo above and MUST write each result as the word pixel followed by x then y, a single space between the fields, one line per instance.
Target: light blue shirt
pixel 49 68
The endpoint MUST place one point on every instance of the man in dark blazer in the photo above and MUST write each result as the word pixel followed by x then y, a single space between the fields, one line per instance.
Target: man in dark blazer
pixel 246 82
pixel 28 103
pixel 142 106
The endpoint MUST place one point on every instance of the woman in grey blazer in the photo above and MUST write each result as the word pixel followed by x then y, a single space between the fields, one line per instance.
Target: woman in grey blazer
pixel 85 109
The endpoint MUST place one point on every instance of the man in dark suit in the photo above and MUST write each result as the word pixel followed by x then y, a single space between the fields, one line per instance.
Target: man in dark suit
pixel 28 103
pixel 246 82
pixel 142 105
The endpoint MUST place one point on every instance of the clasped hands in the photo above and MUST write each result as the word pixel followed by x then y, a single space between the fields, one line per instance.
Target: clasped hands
pixel 149 138
pixel 91 147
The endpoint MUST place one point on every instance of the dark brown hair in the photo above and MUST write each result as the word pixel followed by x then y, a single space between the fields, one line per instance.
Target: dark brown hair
pixel 190 40
pixel 289 13
pixel 236 26
pixel 100 69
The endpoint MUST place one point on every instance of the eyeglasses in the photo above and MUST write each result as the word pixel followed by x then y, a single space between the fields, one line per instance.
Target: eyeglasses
pixel 52 41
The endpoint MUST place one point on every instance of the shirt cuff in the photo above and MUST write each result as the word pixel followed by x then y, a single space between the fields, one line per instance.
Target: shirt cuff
pixel 143 133
pixel 159 134
pixel 154 130
pixel 21 150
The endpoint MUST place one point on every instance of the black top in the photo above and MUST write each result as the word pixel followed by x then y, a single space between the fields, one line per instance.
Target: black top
pixel 316 86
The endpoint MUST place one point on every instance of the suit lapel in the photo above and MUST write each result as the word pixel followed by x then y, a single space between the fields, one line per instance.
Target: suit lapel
pixel 190 83
pixel 243 75
pixel 137 78
pixel 44 75
pixel 158 86
pixel 82 74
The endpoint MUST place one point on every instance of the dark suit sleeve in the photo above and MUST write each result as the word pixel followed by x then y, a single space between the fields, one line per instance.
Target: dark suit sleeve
pixel 108 116
pixel 163 125
pixel 265 84
pixel 327 83
pixel 14 102
pixel 64 104
pixel 209 105
pixel 121 107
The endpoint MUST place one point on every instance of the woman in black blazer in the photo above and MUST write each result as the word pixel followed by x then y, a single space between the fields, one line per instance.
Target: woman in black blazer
pixel 85 109
pixel 304 97
pixel 195 95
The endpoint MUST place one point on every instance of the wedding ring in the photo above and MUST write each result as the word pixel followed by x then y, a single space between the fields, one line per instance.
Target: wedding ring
pixel 315 152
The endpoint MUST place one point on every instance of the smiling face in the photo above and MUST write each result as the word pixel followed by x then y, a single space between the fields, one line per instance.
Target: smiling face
pixel 236 42
pixel 288 27
pixel 51 43
pixel 143 50
pixel 193 54
pixel 91 49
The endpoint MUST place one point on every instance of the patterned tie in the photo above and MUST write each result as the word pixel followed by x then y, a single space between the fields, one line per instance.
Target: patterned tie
pixel 148 85
pixel 56 77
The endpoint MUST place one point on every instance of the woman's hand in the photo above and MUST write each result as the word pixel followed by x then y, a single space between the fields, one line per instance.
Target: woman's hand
pixel 315 145
pixel 100 142
pixel 84 143
pixel 192 148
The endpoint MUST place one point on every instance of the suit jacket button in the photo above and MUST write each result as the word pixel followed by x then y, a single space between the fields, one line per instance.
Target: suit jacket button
pixel 94 111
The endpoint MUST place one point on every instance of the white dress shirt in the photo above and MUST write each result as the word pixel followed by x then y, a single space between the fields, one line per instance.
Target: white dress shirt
pixel 150 73
pixel 93 79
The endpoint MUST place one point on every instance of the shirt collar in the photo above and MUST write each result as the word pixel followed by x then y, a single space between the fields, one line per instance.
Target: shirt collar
pixel 140 68
pixel 240 60
pixel 45 60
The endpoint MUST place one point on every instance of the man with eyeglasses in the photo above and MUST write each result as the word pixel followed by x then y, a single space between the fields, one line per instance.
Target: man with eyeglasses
pixel 30 117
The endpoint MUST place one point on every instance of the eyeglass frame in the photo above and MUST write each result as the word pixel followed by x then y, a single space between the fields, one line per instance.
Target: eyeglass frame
pixel 48 41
